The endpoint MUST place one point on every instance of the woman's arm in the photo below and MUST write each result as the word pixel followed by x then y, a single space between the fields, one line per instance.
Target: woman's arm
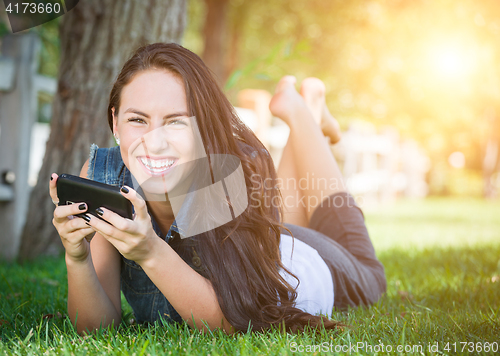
pixel 93 277
pixel 191 294
pixel 94 287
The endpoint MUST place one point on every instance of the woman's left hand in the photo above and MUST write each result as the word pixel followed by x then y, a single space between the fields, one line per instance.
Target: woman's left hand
pixel 134 239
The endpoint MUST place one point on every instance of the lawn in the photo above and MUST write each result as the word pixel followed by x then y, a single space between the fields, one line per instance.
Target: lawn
pixel 442 264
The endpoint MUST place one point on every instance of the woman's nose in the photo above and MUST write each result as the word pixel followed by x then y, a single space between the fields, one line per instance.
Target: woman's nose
pixel 156 140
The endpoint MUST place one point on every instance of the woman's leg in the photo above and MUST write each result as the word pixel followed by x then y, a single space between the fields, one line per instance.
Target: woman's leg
pixel 313 92
pixel 294 212
pixel 332 223
pixel 308 170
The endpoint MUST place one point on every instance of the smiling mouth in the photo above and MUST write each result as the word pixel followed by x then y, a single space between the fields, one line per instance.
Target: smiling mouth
pixel 157 167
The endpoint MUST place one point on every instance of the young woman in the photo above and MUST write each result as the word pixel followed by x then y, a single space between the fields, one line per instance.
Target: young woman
pixel 181 258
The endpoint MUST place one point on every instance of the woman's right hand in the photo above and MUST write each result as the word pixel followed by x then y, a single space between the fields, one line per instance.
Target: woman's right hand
pixel 74 232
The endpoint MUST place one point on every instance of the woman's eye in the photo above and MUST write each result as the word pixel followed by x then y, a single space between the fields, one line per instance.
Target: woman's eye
pixel 136 119
pixel 176 122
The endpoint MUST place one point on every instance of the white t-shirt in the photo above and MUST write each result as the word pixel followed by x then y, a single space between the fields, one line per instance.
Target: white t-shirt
pixel 315 290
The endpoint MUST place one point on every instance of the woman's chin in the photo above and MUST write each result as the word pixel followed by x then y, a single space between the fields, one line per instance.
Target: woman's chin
pixel 161 185
pixel 154 186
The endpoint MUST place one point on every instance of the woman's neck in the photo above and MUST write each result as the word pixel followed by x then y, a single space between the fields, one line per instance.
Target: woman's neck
pixel 160 206
pixel 162 213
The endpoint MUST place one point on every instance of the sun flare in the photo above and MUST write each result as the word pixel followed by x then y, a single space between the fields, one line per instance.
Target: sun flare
pixel 452 61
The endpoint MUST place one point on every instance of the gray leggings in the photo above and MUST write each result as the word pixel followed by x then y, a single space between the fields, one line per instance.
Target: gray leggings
pixel 337 231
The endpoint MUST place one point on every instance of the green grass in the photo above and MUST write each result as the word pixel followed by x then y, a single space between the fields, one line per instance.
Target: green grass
pixel 442 265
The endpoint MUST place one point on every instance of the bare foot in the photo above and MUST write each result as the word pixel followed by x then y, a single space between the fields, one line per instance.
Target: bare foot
pixel 286 101
pixel 313 92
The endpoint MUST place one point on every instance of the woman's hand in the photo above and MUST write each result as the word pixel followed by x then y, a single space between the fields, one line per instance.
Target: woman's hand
pixel 134 239
pixel 74 231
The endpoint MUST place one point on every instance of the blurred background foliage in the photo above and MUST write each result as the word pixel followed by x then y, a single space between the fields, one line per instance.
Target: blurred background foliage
pixel 430 68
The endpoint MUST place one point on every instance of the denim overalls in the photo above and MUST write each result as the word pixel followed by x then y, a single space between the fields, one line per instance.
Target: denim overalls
pixel 146 300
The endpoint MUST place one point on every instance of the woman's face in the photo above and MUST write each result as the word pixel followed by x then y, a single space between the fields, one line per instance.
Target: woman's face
pixel 158 139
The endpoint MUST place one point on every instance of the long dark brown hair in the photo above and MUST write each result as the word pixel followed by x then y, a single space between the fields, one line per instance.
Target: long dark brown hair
pixel 241 258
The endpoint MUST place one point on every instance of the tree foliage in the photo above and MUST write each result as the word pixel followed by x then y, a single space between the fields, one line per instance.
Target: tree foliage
pixel 430 68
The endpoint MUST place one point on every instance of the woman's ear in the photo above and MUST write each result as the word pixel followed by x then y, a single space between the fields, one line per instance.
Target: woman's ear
pixel 115 129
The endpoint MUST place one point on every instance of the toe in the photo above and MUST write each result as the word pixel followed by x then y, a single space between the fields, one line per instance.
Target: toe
pixel 285 82
pixel 312 86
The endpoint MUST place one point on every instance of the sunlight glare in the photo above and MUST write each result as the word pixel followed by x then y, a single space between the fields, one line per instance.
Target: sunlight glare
pixel 452 62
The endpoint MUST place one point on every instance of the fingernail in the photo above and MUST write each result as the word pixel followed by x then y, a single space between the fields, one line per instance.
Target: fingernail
pixel 81 206
pixel 86 217
pixel 99 212
pixel 124 189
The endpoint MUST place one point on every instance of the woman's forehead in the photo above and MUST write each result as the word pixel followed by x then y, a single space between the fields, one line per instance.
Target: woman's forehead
pixel 156 89
pixel 155 77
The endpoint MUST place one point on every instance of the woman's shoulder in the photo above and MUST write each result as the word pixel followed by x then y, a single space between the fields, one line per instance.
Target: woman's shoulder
pixel 105 164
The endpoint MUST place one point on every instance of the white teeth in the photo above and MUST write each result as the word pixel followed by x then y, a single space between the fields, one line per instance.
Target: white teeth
pixel 157 164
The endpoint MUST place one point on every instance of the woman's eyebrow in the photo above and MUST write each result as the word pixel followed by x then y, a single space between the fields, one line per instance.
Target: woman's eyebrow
pixel 175 114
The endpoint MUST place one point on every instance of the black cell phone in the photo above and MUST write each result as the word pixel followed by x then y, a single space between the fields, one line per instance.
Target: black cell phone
pixel 73 189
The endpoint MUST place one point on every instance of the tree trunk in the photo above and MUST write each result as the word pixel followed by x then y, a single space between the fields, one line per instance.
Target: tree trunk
pixel 238 19
pixel 97 37
pixel 214 34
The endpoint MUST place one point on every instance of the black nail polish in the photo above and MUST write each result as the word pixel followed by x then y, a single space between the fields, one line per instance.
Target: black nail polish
pixel 81 206
pixel 99 212
pixel 86 217
pixel 124 189
pixel 87 224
